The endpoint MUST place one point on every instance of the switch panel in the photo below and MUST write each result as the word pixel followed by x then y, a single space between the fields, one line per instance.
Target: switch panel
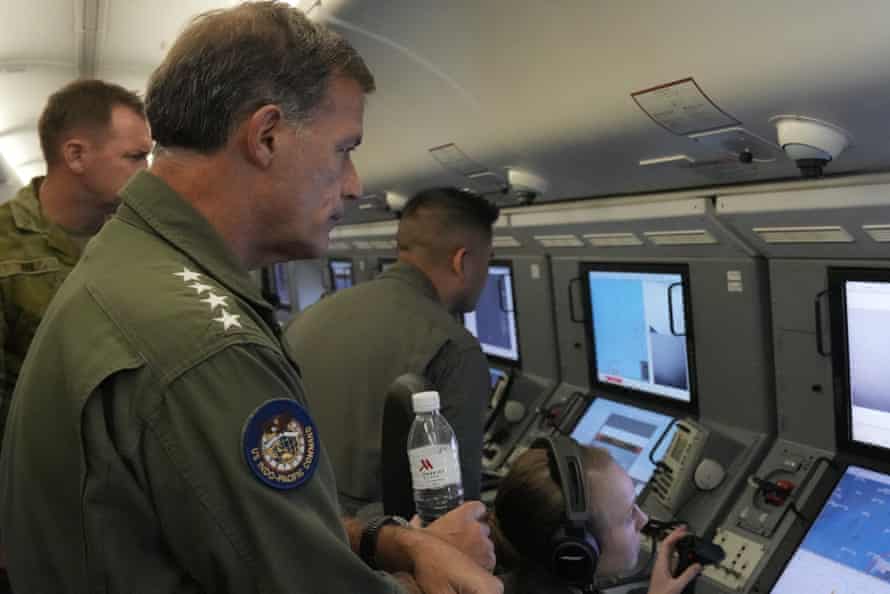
pixel 742 557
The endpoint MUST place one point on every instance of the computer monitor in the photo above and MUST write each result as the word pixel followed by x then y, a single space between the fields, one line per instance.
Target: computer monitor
pixel 282 284
pixel 341 274
pixel 383 264
pixel 628 433
pixel 860 300
pixel 847 548
pixel 639 330
pixel 494 321
pixel 275 287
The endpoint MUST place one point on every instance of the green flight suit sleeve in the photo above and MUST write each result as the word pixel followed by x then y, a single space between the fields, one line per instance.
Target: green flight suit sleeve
pixel 460 374
pixel 229 530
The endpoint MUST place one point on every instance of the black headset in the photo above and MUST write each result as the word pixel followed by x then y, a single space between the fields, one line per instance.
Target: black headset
pixel 574 552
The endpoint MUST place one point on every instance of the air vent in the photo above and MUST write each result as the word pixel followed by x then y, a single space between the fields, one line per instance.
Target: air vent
pixel 387 244
pixel 880 233
pixel 362 245
pixel 505 241
pixel 340 246
pixel 829 234
pixel 690 237
pixel 559 240
pixel 452 158
pixel 613 239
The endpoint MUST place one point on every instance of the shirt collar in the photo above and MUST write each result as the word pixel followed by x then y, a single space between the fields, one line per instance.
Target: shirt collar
pixel 149 201
pixel 26 208
pixel 410 274
pixel 28 216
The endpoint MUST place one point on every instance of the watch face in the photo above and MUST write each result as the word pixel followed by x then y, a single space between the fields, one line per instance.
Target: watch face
pixel 400 521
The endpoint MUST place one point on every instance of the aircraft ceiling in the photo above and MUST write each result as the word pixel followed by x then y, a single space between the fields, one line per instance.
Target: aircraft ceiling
pixel 544 87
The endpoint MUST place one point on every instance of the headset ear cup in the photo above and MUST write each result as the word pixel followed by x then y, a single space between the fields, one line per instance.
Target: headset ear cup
pixel 574 559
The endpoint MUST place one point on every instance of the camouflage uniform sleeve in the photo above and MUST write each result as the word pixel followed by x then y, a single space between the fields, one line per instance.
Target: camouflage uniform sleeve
pixel 460 373
pixel 5 390
pixel 225 526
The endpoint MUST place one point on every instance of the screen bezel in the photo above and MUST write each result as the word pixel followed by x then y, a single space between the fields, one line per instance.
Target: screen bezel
pixel 634 396
pixel 840 362
pixel 384 261
pixel 331 262
pixel 511 363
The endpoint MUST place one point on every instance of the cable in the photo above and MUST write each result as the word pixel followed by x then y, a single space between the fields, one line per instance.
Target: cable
pixel 660 439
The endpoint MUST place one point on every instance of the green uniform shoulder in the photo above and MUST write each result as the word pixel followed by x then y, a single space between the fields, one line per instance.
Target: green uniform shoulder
pixel 175 315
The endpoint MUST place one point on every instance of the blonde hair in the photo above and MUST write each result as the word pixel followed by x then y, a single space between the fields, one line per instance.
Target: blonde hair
pixel 529 507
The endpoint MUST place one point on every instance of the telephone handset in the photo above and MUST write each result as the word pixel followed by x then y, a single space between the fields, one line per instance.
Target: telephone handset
pixel 672 482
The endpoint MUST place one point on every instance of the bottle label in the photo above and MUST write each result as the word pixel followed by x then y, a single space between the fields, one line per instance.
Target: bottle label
pixel 434 467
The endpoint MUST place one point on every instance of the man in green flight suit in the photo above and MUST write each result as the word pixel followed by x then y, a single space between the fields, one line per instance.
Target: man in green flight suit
pixel 406 318
pixel 159 440
pixel 94 137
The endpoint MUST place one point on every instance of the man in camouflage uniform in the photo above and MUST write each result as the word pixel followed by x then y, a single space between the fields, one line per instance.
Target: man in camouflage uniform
pixel 94 136
pixel 160 439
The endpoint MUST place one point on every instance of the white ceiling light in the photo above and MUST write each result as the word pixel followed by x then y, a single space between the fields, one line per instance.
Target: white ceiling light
pixel 15 154
pixel 27 171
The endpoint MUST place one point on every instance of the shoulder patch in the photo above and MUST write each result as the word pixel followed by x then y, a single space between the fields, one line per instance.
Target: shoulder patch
pixel 280 443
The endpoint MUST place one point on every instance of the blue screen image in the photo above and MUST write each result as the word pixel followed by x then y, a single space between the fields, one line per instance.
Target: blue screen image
pixel 628 433
pixel 636 344
pixel 494 320
pixel 847 549
pixel 341 274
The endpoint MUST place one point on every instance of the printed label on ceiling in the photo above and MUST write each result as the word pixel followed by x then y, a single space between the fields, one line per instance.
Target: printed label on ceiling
pixel 682 107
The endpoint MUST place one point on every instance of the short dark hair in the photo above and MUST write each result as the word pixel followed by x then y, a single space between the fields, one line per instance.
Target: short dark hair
pixel 228 63
pixel 454 209
pixel 78 105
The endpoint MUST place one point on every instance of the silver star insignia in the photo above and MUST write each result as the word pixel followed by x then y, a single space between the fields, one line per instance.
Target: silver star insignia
pixel 228 320
pixel 214 301
pixel 187 275
pixel 199 288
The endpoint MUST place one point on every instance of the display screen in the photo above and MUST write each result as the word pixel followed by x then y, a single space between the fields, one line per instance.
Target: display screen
pixel 868 344
pixel 629 433
pixel 847 549
pixel 494 321
pixel 639 330
pixel 282 284
pixel 341 274
pixel 495 375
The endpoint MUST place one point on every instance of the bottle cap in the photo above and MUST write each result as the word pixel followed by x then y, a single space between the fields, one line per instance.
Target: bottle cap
pixel 425 401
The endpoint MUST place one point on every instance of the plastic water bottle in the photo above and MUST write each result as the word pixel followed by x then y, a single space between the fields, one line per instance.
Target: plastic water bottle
pixel 433 455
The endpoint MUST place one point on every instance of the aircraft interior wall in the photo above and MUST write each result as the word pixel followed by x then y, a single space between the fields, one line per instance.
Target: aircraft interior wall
pixel 763 375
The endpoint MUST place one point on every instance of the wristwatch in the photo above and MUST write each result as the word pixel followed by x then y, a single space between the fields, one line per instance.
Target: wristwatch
pixel 367 549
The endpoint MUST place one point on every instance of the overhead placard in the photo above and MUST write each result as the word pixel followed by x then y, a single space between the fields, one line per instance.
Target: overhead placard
pixel 682 107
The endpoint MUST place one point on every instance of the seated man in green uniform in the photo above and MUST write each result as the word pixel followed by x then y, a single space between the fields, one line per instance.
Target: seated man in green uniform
pixel 406 320
pixel 94 137
pixel 160 439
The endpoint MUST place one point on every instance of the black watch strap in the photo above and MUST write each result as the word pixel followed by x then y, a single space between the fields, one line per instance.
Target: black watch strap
pixel 367 549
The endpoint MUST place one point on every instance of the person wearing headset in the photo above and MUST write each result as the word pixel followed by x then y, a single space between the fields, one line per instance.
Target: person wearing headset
pixel 550 548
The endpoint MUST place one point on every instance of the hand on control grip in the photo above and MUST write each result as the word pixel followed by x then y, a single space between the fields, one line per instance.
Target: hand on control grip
pixel 692 550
